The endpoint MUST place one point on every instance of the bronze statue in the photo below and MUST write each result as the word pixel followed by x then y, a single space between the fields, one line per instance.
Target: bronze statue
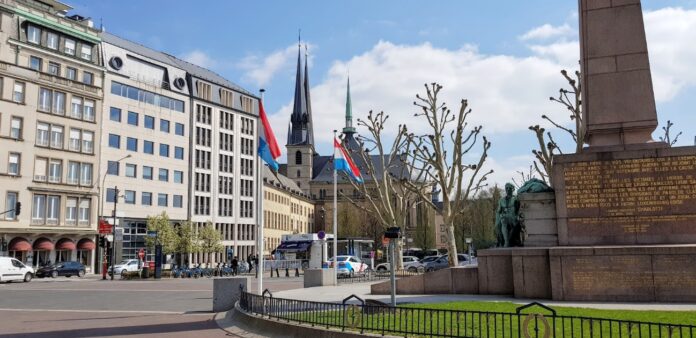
pixel 507 219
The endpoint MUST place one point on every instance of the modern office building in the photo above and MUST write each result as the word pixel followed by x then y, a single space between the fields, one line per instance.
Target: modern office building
pixel 145 144
pixel 51 92
pixel 286 209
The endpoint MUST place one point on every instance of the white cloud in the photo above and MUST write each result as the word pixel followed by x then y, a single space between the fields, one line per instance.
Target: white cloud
pixel 261 69
pixel 199 58
pixel 549 31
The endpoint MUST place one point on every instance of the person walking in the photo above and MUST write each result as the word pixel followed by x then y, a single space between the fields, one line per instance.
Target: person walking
pixel 251 265
pixel 235 265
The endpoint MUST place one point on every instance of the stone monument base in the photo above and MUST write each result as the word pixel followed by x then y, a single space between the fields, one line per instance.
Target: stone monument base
pixel 641 273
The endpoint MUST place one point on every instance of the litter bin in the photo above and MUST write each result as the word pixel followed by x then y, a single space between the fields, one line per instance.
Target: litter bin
pixel 145 272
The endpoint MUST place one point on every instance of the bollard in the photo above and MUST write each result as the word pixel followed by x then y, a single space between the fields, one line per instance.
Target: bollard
pixel 297 272
pixel 287 273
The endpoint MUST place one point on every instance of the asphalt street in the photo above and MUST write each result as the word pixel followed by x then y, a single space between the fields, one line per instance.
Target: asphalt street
pixel 90 307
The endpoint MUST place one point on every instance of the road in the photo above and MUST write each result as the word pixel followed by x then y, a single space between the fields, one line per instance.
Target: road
pixel 90 307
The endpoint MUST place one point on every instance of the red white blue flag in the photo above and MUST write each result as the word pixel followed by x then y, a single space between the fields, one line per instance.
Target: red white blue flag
pixel 343 162
pixel 268 146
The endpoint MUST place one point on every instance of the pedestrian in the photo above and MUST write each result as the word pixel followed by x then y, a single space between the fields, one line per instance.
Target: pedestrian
pixel 251 266
pixel 235 265
pixel 259 269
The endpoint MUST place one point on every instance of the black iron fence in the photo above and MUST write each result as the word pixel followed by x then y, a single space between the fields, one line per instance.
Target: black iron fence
pixel 532 320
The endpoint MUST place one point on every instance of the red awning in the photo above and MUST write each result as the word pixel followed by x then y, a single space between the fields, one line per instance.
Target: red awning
pixel 86 244
pixel 43 244
pixel 65 244
pixel 19 244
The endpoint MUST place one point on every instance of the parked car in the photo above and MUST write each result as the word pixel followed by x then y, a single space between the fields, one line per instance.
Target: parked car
pixel 14 270
pixel 408 262
pixel 127 265
pixel 347 265
pixel 442 262
pixel 67 269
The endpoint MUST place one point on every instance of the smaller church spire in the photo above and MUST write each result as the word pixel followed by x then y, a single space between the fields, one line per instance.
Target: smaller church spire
pixel 349 112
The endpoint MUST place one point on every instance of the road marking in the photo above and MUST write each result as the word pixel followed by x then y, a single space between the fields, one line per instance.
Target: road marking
pixel 110 311
pixel 107 290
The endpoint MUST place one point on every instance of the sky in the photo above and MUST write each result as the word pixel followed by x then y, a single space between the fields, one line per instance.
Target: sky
pixel 503 56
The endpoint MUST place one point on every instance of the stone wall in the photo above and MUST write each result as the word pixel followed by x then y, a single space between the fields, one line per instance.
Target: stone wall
pixel 539 213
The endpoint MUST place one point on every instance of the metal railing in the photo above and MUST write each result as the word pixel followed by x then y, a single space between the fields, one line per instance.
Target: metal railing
pixel 531 320
pixel 375 275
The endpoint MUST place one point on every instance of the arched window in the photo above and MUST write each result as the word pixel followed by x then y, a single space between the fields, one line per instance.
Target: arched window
pixel 298 157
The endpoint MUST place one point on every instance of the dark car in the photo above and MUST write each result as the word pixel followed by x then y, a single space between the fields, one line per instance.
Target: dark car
pixel 66 269
pixel 442 262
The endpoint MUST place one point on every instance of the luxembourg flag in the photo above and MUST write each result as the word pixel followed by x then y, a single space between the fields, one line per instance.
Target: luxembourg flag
pixel 268 146
pixel 342 161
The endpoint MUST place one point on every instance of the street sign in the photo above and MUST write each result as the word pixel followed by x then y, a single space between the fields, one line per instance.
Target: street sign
pixel 104 227
pixel 468 240
pixel 152 233
pixel 141 254
pixel 110 237
pixel 321 234
pixel 119 234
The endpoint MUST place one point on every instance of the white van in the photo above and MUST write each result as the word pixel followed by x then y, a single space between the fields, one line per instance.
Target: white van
pixel 12 269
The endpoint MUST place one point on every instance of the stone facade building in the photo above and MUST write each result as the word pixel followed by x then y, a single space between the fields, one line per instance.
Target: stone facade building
pixel 51 76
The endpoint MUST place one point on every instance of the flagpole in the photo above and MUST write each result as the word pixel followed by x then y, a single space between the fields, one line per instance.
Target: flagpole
pixel 335 217
pixel 259 211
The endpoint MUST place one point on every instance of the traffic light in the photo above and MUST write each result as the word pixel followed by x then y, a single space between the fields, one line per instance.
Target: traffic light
pixel 18 208
pixel 393 232
pixel 102 242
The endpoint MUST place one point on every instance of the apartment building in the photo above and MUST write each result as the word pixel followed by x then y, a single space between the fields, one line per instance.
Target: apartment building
pixel 286 209
pixel 145 144
pixel 223 160
pixel 50 92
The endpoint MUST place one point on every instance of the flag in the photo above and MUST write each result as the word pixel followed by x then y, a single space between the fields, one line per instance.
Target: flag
pixel 268 146
pixel 343 162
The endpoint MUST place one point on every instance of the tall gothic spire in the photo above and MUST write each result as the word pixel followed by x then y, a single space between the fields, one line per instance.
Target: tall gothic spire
pixel 301 119
pixel 349 112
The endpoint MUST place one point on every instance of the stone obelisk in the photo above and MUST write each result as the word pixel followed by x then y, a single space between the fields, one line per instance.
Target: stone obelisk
pixel 618 99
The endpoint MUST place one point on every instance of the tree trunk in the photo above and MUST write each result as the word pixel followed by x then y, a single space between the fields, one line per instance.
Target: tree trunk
pixel 399 254
pixel 452 246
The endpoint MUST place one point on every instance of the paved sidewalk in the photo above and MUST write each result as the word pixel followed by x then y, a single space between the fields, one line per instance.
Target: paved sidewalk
pixel 362 290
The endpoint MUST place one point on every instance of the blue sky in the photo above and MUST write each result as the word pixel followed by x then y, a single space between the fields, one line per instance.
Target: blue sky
pixel 498 54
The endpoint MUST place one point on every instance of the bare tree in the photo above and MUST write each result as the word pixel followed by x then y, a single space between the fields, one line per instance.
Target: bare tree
pixel 383 194
pixel 523 177
pixel 548 147
pixel 439 157
pixel 667 138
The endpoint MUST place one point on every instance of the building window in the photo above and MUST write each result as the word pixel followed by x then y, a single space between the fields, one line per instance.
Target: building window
pixel 87 78
pixel 179 153
pixel 10 203
pixel 133 118
pixel 114 141
pixel 164 150
pixel 55 170
pixel 42 134
pixel 16 128
pixel 54 68
pixel 146 198
pixel 149 122
pixel 129 197
pixel 148 147
pixel 147 172
pixel 33 34
pixel 115 114
pixel 38 209
pixel 132 144
pixel 71 73
pixel 76 108
pixel 87 142
pixel 18 94
pixel 178 176
pixel 71 211
pixel 86 53
pixel 59 103
pixel 52 40
pixel 73 173
pixel 112 168
pixel 164 175
pixel 162 200
pixel 179 129
pixel 110 195
pixel 13 164
pixel 56 137
pixel 148 97
pixel 74 143
pixel 298 173
pixel 35 63
pixel 45 99
pixel 86 174
pixel 69 47
pixel 84 212
pixel 178 201
pixel 164 125
pixel 89 110
pixel 131 170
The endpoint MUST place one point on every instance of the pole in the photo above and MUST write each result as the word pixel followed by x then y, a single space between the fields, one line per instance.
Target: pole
pixel 392 277
pixel 113 235
pixel 259 211
pixel 335 218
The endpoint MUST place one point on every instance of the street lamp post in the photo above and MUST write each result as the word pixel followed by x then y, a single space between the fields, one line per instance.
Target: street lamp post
pixel 113 234
pixel 101 216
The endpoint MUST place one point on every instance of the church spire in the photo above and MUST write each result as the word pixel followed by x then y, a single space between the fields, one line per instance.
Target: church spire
pixel 308 102
pixel 349 129
pixel 301 119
